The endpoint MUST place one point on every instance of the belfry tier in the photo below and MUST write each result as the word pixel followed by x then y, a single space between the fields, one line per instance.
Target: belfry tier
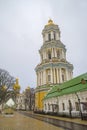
pixel 53 68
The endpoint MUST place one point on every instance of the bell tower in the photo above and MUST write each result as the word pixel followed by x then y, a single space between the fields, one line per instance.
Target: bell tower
pixel 53 69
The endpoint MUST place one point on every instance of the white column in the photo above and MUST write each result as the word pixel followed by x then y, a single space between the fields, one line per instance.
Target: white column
pixel 51 75
pixel 60 75
pixel 57 36
pixel 52 37
pixel 41 77
pixel 37 79
pixel 52 52
pixel 57 76
pixel 55 53
pixel 54 76
pixel 44 77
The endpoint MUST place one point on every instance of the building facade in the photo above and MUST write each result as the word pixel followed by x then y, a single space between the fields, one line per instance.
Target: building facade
pixel 26 100
pixel 69 98
pixel 54 67
pixel 20 101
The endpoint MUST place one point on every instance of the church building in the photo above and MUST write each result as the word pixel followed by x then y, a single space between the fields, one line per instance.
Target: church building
pixel 53 69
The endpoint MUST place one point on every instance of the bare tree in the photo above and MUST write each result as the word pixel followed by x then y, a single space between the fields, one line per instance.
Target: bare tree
pixel 29 98
pixel 6 85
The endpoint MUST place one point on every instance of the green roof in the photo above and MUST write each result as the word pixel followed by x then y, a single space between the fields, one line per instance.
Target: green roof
pixel 72 86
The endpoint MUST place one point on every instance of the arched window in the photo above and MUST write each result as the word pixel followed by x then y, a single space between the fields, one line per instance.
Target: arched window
pixel 54 36
pixel 49 55
pixel 63 75
pixel 49 37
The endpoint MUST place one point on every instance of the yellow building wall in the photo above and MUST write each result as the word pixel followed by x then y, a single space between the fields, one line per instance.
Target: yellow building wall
pixel 39 100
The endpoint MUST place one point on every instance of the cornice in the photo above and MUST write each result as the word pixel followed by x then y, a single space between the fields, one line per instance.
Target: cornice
pixel 52 44
pixel 54 65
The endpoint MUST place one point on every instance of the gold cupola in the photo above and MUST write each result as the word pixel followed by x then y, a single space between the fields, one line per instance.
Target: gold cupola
pixel 50 22
pixel 16 85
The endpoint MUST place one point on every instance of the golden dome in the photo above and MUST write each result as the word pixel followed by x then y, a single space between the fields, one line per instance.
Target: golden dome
pixel 50 22
pixel 16 85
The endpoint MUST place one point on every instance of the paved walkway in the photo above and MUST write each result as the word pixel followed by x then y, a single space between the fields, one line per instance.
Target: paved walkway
pixel 21 122
pixel 75 120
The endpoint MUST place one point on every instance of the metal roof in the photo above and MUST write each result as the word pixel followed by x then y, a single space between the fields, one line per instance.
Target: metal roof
pixel 72 86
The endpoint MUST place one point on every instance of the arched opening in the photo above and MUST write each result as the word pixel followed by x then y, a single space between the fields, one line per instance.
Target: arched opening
pixel 54 35
pixel 49 37
pixel 49 55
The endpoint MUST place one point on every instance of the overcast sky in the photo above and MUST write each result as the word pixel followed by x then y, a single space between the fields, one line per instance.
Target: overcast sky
pixel 21 24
